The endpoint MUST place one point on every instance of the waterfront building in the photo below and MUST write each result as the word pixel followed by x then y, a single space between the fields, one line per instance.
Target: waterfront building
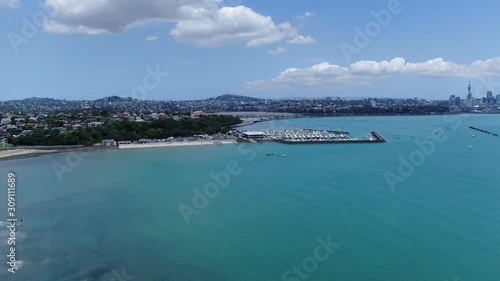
pixel 254 135
pixel 108 143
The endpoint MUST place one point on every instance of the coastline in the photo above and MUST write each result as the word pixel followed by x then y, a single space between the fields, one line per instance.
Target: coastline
pixel 177 143
pixel 26 152
pixel 9 154
pixel 253 122
pixel 22 152
pixel 13 153
pixel 306 116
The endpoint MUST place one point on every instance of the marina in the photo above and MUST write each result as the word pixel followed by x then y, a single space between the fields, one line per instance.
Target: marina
pixel 308 136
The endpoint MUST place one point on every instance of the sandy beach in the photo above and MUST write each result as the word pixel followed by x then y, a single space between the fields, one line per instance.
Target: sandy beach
pixel 4 154
pixel 14 153
pixel 177 143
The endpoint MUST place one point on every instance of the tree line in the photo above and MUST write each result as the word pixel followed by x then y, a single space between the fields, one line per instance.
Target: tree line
pixel 130 130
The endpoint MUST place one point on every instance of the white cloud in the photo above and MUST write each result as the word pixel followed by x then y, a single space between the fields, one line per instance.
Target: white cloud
pixel 306 15
pixel 9 3
pixel 229 24
pixel 362 72
pixel 201 22
pixel 151 38
pixel 53 26
pixel 96 16
pixel 302 40
pixel 279 50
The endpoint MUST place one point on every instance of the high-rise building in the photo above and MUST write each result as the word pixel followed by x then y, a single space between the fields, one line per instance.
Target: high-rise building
pixel 498 100
pixel 452 100
pixel 489 98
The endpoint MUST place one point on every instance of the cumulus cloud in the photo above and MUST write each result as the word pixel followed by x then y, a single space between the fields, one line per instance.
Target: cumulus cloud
pixel 362 72
pixel 97 16
pixel 9 3
pixel 229 24
pixel 279 50
pixel 200 22
pixel 302 40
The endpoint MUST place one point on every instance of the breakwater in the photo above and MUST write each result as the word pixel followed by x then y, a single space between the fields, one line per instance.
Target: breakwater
pixel 484 131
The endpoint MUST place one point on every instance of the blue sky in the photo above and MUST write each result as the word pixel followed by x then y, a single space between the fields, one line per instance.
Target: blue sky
pixel 271 49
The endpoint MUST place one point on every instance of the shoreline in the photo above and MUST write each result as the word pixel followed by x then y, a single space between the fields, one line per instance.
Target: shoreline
pixel 16 153
pixel 25 152
pixel 177 144
pixel 250 123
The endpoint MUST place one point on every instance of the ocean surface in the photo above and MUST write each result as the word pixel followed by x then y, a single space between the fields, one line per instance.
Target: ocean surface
pixel 409 209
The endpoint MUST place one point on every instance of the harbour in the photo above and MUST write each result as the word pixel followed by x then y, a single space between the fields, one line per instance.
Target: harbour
pixel 308 136
pixel 297 194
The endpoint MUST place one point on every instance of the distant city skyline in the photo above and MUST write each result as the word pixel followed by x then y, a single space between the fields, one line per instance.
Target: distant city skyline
pixel 473 100
pixel 164 50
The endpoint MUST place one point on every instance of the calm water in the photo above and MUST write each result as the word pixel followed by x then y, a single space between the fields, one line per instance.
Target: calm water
pixel 116 215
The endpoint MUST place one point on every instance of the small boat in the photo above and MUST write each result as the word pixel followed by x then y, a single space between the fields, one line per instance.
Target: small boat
pixel 472 136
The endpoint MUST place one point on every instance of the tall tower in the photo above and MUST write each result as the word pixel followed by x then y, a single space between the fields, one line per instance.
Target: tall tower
pixel 469 94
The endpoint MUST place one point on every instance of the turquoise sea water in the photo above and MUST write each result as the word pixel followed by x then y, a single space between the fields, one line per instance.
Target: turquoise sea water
pixel 116 215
